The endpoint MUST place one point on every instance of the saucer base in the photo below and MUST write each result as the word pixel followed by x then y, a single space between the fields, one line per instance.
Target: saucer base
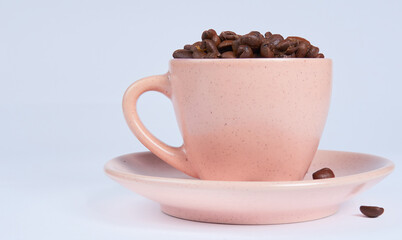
pixel 248 218
pixel 253 202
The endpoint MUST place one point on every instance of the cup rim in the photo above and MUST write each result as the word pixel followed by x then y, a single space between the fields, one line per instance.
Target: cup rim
pixel 209 60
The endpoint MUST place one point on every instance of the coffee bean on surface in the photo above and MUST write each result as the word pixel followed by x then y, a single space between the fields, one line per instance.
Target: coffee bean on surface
pixel 228 44
pixel 323 173
pixel 371 211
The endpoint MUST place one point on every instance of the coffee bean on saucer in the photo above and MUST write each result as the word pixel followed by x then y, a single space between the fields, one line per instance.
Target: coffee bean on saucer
pixel 371 211
pixel 323 173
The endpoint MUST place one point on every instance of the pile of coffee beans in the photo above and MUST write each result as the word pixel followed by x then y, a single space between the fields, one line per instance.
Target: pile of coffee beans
pixel 228 44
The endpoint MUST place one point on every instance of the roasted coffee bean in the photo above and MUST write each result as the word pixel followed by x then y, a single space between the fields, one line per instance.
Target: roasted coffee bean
pixel 183 53
pixel 291 50
pixel 323 173
pixel 225 46
pixel 313 53
pixel 302 50
pixel 275 39
pixel 266 51
pixel 212 35
pixel 199 46
pixel 245 51
pixel 293 55
pixel 197 53
pixel 216 39
pixel 251 40
pixel 320 55
pixel 210 46
pixel 283 55
pixel 371 211
pixel 298 40
pixel 212 55
pixel 208 34
pixel 257 34
pixel 268 34
pixel 228 54
pixel 276 51
pixel 285 44
pixel 235 46
pixel 228 35
pixel 187 47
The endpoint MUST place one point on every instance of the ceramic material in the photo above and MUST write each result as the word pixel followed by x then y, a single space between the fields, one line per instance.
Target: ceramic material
pixel 241 119
pixel 237 202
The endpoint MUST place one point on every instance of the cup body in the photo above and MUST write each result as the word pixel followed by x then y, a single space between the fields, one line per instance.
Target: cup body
pixel 250 119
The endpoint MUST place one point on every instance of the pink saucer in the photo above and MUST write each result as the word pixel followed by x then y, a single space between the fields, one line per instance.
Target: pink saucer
pixel 250 202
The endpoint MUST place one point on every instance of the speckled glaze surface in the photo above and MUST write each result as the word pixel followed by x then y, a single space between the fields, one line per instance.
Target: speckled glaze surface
pixel 253 202
pixel 241 119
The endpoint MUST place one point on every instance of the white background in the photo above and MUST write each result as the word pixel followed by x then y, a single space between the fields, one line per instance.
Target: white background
pixel 64 66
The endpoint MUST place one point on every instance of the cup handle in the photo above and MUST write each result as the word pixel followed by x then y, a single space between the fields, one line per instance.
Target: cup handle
pixel 174 156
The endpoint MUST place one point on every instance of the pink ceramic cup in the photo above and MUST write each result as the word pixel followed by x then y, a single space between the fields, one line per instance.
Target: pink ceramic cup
pixel 241 119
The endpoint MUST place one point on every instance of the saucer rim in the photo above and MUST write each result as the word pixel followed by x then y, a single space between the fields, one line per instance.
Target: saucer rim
pixel 383 171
